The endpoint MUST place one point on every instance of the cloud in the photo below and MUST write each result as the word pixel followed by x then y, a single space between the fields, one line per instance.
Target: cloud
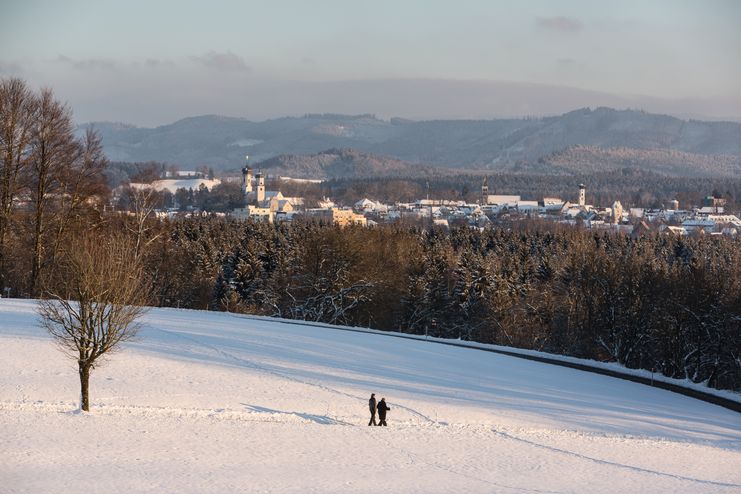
pixel 153 63
pixel 559 24
pixel 87 64
pixel 227 61
pixel 10 68
pixel 564 62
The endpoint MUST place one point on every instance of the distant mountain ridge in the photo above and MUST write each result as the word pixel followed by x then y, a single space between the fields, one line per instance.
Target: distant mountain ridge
pixel 659 143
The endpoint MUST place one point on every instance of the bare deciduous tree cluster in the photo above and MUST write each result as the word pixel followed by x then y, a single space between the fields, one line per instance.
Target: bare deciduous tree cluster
pixel 55 242
pixel 50 182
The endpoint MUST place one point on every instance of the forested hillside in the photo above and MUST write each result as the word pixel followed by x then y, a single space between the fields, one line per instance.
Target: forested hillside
pixel 593 159
pixel 660 143
pixel 345 163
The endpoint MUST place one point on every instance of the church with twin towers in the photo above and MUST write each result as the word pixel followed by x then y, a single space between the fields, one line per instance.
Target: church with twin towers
pixel 260 204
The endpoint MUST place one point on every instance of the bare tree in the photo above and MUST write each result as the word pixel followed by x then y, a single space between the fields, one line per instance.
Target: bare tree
pixel 82 188
pixel 92 304
pixel 54 150
pixel 142 210
pixel 17 117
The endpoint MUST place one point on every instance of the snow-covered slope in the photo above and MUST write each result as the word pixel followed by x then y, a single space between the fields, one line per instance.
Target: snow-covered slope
pixel 211 402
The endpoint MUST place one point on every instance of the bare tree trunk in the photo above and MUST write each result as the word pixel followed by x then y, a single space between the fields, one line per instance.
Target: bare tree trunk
pixel 143 206
pixel 37 246
pixel 84 370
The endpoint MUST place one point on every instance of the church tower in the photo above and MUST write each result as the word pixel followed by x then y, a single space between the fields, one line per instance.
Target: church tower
pixel 260 187
pixel 246 179
pixel 485 191
pixel 582 195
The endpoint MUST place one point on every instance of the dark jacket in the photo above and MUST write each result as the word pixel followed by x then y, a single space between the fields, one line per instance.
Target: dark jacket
pixel 372 404
pixel 382 407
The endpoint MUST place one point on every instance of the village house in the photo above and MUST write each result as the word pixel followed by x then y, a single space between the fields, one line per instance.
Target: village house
pixel 337 216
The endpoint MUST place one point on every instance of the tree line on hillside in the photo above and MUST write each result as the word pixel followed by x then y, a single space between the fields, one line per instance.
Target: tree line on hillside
pixel 665 304
pixel 591 159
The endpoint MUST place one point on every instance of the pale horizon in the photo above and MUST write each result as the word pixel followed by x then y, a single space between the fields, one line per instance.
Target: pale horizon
pixel 152 64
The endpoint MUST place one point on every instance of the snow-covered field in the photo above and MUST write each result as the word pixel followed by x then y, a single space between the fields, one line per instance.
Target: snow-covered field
pixel 216 403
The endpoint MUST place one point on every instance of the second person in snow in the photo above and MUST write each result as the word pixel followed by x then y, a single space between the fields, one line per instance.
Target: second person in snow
pixel 382 409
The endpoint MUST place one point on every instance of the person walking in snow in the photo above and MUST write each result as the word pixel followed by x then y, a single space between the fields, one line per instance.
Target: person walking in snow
pixel 372 406
pixel 382 409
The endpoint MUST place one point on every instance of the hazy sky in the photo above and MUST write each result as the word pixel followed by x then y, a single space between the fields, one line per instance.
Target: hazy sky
pixel 151 62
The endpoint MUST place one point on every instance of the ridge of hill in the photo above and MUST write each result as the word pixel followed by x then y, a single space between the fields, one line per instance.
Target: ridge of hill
pixel 660 143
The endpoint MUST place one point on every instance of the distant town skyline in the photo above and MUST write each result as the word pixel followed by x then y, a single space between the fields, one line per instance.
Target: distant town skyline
pixel 150 63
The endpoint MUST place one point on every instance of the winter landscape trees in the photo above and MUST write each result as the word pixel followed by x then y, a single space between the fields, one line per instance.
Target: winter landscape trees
pixel 671 305
pixel 92 301
pixel 51 183
pixel 91 284
pixel 17 109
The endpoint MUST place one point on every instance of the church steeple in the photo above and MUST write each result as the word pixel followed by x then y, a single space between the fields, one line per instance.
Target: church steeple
pixel 246 179
pixel 260 196
pixel 485 191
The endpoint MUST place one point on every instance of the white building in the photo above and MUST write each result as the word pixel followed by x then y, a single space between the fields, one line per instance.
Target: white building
pixel 527 206
pixel 254 213
pixel 617 212
pixel 509 201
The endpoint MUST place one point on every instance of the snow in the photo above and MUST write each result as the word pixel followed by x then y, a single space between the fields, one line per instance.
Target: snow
pixel 173 184
pixel 207 402
pixel 611 366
